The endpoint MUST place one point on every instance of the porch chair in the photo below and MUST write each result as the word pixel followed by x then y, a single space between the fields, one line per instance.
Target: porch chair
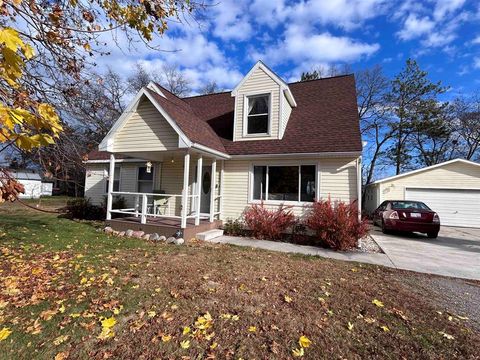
pixel 160 204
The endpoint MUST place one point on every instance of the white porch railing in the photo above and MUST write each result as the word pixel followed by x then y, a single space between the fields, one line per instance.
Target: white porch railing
pixel 145 205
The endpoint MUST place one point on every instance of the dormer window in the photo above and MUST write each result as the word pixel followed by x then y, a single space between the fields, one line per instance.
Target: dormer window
pixel 258 115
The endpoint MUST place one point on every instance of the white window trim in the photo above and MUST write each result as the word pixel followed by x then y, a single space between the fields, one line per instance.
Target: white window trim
pixel 245 114
pixel 251 200
pixel 119 179
pixel 154 167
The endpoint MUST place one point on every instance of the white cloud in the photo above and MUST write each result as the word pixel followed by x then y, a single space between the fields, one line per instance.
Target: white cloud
pixel 304 48
pixel 415 27
pixel 230 20
pixel 445 7
pixel 476 62
pixel 476 40
pixel 346 14
pixel 269 12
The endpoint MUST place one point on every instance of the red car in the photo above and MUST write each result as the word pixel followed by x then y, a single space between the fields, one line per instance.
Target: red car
pixel 406 215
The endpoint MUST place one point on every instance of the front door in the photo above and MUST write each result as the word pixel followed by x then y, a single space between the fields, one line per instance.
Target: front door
pixel 205 190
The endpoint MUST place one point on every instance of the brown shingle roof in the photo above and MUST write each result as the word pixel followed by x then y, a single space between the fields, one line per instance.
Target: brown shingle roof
pixel 325 120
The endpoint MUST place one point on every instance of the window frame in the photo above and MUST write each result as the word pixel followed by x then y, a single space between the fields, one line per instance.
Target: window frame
pixel 153 178
pixel 251 200
pixel 246 98
pixel 119 172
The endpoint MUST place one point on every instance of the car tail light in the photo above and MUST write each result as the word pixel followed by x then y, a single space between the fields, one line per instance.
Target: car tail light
pixel 436 218
pixel 394 215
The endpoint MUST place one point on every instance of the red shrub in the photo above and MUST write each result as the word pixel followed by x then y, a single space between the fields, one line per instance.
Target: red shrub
pixel 336 225
pixel 268 224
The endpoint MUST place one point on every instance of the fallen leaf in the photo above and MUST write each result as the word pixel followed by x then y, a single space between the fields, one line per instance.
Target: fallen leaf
pixel 151 314
pixel 298 352
pixel 166 338
pixel 304 342
pixel 108 322
pixel 377 303
pixel 287 299
pixel 62 355
pixel 252 329
pixel 60 339
pixel 186 330
pixel 5 333
pixel 350 326
pixel 445 335
pixel 185 344
pixel 47 314
pixel 385 328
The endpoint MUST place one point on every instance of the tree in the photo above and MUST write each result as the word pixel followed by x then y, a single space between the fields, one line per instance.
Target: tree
pixel 210 88
pixel 174 80
pixel 467 126
pixel 45 50
pixel 413 100
pixel 372 88
pixel 320 72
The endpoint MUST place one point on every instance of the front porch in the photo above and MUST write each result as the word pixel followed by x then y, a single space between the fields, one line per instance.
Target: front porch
pixel 182 191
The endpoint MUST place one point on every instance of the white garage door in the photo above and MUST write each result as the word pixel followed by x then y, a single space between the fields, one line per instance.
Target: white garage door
pixel 455 207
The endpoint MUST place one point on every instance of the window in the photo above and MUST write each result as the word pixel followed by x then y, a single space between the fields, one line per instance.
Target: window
pixel 284 183
pixel 257 114
pixel 116 180
pixel 145 180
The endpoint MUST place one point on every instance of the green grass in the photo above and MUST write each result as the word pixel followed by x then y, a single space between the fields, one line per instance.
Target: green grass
pixel 49 263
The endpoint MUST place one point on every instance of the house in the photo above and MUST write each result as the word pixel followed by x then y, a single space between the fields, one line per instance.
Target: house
pixel 196 161
pixel 451 188
pixel 32 183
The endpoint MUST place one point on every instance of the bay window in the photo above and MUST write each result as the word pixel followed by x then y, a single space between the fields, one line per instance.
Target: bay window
pixel 284 183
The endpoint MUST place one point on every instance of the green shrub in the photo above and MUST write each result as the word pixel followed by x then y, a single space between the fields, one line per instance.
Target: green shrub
pixel 83 209
pixel 234 228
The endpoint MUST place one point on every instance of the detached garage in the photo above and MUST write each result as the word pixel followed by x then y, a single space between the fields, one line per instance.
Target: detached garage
pixel 452 189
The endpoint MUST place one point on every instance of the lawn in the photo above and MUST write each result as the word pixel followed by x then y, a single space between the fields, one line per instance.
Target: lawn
pixel 69 291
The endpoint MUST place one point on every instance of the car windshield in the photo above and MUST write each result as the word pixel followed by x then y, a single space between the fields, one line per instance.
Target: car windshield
pixel 409 205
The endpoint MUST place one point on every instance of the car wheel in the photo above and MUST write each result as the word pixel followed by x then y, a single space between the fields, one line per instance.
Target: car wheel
pixel 432 235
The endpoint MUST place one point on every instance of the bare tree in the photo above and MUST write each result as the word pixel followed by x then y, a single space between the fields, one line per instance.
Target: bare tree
pixel 174 80
pixel 467 126
pixel 372 87
pixel 210 88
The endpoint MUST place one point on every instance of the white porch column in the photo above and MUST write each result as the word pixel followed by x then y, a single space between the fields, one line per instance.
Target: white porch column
pixel 199 189
pixel 111 179
pixel 186 168
pixel 212 190
pixel 221 189
pixel 359 187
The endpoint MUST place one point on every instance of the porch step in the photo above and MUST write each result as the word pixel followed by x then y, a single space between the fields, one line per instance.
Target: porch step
pixel 209 235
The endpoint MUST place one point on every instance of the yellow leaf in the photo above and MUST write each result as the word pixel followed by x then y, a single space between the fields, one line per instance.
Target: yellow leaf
pixel 151 314
pixel 185 344
pixel 10 38
pixel 377 303
pixel 304 342
pixel 62 309
pixel 109 322
pixel 213 346
pixel 298 352
pixel 252 329
pixel 5 333
pixel 47 314
pixel 60 339
pixel 75 315
pixel 287 299
pixel 385 328
pixel 235 317
pixel 166 338
pixel 61 355
pixel 56 257
pixel 83 280
pixel 350 326
pixel 106 333
pixel 186 330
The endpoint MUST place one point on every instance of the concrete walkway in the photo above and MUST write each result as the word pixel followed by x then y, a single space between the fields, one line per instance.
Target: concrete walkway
pixel 456 251
pixel 377 259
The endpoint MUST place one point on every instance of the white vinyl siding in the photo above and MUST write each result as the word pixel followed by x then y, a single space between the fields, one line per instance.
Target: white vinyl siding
pixel 146 130
pixel 258 83
pixel 286 111
pixel 336 178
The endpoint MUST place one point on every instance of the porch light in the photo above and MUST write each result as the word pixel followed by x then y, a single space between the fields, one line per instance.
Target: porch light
pixel 173 160
pixel 149 167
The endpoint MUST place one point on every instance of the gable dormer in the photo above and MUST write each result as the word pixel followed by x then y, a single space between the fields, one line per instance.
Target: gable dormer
pixel 263 103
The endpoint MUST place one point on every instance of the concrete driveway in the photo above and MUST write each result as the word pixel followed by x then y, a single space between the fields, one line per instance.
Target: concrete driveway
pixel 456 251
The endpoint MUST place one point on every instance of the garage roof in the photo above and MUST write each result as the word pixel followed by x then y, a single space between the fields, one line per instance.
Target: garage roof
pixel 425 169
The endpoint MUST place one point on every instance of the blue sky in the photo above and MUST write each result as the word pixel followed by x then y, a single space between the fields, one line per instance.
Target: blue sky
pixel 295 36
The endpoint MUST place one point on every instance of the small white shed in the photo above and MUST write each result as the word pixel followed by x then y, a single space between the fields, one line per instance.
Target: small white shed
pixel 32 182
pixel 452 189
